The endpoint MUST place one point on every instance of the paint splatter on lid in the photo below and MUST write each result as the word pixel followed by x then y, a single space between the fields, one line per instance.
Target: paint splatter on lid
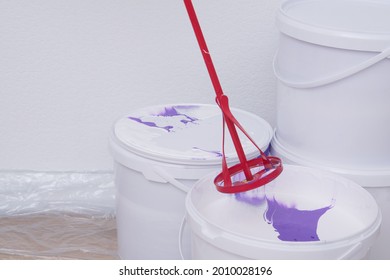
pixel 303 205
pixel 186 133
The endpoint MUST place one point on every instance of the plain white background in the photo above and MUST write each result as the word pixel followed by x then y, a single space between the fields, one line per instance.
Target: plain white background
pixel 68 69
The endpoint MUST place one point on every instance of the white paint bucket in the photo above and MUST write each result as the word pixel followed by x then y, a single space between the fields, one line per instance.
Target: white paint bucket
pixel 159 153
pixel 305 213
pixel 333 91
pixel 381 248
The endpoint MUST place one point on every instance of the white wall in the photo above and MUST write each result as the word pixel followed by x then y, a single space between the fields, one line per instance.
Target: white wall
pixel 69 68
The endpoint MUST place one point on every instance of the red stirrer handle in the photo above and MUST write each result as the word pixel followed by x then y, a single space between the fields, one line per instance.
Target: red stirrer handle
pixel 217 87
pixel 203 47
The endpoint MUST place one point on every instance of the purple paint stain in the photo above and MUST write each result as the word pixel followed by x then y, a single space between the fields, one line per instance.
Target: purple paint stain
pixel 250 199
pixel 172 112
pixel 293 224
pixel 151 124
pixel 168 112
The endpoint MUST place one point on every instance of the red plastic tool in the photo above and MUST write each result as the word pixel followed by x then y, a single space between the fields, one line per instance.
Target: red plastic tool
pixel 258 171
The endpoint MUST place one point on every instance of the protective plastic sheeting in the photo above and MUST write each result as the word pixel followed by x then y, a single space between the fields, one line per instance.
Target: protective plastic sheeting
pixel 57 216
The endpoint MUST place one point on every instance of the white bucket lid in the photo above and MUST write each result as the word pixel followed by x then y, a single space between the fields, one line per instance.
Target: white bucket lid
pixel 354 25
pixel 300 212
pixel 187 133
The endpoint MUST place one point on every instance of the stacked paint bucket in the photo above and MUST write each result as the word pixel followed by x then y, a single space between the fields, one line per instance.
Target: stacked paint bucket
pixel 159 153
pixel 333 94
pixel 166 159
pixel 308 214
pixel 168 166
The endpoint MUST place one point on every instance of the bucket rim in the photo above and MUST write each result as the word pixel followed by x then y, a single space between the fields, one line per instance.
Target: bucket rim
pixel 370 177
pixel 194 216
pixel 116 145
pixel 331 36
pixel 233 158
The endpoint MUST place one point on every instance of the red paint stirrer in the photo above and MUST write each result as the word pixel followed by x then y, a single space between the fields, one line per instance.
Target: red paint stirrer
pixel 271 166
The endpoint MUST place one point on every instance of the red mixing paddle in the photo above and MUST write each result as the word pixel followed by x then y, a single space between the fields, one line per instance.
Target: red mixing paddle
pixel 258 171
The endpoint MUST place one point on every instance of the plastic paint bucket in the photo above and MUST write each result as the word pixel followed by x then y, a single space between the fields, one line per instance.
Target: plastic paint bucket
pixel 159 153
pixel 303 214
pixel 381 248
pixel 333 90
pixel 332 66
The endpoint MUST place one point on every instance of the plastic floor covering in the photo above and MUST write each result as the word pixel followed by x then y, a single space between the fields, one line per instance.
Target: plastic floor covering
pixel 57 216
pixel 44 236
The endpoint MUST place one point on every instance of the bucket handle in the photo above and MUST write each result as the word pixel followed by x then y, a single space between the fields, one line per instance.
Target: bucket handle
pixel 167 177
pixel 181 231
pixel 333 78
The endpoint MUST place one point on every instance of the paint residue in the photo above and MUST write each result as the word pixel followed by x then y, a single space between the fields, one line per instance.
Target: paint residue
pixel 151 124
pixel 293 224
pixel 167 112
pixel 173 112
pixel 250 197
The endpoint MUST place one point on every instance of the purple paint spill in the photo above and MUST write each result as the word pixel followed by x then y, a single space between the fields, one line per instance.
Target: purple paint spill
pixel 293 224
pixel 168 112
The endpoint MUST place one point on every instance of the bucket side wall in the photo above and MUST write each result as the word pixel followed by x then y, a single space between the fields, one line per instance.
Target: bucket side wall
pixel 337 122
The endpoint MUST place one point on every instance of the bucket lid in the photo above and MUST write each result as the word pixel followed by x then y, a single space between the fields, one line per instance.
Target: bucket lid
pixel 302 208
pixel 187 133
pixel 354 25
